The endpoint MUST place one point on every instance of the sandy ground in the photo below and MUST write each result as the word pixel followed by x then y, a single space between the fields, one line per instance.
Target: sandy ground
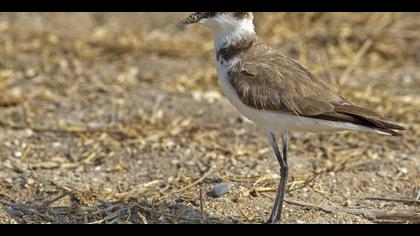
pixel 118 118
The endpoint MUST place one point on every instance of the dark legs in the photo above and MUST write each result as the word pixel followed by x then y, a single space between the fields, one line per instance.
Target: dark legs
pixel 284 171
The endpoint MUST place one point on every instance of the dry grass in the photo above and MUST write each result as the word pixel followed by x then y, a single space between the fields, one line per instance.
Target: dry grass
pixel 104 118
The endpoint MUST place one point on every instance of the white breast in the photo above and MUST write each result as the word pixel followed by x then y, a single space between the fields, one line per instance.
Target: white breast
pixel 277 121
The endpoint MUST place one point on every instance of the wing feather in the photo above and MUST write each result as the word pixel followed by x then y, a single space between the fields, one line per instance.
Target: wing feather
pixel 264 79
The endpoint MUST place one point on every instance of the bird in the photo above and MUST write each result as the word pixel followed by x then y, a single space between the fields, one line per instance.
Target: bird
pixel 277 93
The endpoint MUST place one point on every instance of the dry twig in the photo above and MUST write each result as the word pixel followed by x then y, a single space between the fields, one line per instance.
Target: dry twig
pixel 198 181
pixel 355 62
pixel 371 214
pixel 409 201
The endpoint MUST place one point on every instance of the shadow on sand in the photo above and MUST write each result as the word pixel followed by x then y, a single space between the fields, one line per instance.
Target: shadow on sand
pixel 133 211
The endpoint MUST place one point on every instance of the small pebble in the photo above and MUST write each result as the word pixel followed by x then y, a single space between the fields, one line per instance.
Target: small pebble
pixel 56 144
pixel 382 173
pixel 108 190
pixel 16 142
pixel 30 181
pixel 17 154
pixel 220 189
pixel 403 170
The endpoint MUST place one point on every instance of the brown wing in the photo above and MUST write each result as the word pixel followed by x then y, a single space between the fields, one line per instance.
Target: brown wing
pixel 267 80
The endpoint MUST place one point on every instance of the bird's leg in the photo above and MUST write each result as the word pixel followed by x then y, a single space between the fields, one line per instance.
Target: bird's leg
pixel 285 141
pixel 284 171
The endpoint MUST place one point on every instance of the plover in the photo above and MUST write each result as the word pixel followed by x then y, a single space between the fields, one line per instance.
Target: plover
pixel 278 93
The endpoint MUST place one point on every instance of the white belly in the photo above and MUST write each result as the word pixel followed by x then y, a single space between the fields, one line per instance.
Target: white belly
pixel 277 121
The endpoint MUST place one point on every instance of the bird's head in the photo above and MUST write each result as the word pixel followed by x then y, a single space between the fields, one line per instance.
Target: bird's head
pixel 220 22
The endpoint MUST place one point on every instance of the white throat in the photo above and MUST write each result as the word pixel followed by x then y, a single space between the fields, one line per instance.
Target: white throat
pixel 225 35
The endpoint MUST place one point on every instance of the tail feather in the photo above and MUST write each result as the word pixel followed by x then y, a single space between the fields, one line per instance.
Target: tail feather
pixel 384 126
pixel 361 116
pixel 375 121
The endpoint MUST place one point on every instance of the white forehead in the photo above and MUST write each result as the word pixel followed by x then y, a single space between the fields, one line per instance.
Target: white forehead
pixel 223 23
